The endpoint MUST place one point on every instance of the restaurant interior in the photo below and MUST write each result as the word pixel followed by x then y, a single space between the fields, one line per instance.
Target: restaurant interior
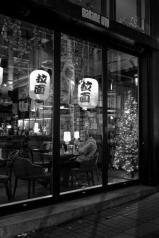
pixel 26 111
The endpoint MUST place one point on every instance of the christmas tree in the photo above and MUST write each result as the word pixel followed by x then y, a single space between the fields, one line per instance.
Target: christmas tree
pixel 126 138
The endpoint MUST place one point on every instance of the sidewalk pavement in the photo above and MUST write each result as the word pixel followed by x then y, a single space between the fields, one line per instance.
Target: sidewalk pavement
pixel 138 218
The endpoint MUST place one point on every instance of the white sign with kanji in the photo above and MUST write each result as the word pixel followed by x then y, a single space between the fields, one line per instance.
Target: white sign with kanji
pixel 39 85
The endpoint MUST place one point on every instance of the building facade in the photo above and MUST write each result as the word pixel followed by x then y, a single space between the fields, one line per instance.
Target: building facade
pixel 69 69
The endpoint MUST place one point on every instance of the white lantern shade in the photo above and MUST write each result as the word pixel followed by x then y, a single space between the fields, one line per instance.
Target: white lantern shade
pixel 67 136
pixel 88 93
pixel 1 75
pixel 76 135
pixel 36 127
pixel 39 85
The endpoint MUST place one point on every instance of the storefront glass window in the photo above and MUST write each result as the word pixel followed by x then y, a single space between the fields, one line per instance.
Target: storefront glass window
pixel 132 13
pixel 26 101
pixel 81 120
pixel 122 117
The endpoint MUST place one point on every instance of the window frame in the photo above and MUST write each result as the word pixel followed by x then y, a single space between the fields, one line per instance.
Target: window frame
pixel 112 9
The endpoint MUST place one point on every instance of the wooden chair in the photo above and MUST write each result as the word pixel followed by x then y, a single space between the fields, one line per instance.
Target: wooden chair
pixel 35 155
pixel 24 170
pixel 6 172
pixel 5 177
pixel 37 158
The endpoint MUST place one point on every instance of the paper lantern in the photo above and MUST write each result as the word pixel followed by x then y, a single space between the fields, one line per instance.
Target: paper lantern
pixel 88 93
pixel 39 85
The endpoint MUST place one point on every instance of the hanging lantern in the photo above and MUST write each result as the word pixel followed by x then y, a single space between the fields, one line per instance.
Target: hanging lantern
pixel 39 85
pixel 88 93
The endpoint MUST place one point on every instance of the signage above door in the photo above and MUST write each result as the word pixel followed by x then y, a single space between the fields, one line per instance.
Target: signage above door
pixel 95 17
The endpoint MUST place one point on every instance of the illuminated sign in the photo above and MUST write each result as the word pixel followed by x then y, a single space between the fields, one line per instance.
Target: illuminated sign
pixel 95 17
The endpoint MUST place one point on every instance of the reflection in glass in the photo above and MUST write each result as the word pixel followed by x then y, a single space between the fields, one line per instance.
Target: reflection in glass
pixel 131 13
pixel 122 117
pixel 80 114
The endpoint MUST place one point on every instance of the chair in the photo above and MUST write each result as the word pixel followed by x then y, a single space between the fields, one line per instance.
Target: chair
pixel 87 168
pixel 24 170
pixel 5 177
pixel 37 158
pixel 6 172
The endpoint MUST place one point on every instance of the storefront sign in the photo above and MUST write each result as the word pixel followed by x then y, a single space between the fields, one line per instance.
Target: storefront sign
pixel 39 85
pixel 88 93
pixel 95 17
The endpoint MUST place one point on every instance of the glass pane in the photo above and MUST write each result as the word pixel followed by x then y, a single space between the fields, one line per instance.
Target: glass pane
pixel 94 5
pixel 26 60
pixel 80 114
pixel 131 13
pixel 123 116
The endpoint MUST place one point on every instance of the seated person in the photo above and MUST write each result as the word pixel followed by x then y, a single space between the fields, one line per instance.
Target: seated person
pixel 86 153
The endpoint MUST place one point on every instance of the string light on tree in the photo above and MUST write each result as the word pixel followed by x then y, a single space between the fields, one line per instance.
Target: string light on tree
pixel 126 150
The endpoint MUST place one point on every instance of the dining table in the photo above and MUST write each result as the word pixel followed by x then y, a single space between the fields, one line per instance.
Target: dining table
pixel 47 156
pixel 64 163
